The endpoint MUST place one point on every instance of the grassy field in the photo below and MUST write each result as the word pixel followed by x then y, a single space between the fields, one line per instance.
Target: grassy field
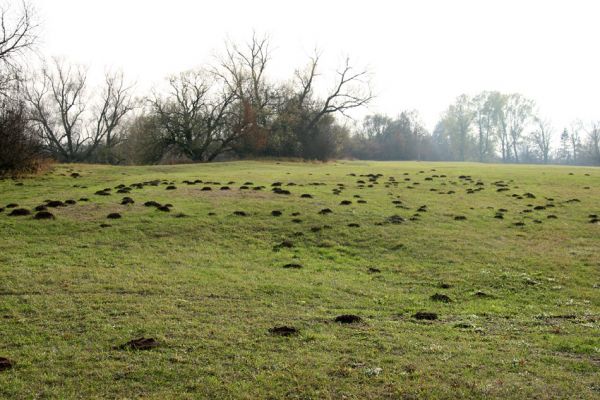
pixel 517 298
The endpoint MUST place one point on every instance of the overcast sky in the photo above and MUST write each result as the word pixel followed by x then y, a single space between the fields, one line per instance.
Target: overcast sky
pixel 422 53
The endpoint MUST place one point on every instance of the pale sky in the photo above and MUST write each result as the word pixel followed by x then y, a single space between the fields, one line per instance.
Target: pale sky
pixel 422 53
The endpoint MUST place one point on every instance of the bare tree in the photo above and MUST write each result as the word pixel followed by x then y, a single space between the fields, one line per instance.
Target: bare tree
pixel 18 34
pixel 575 139
pixel 487 118
pixel 458 121
pixel 242 70
pixel 517 114
pixel 59 109
pixel 350 90
pixel 541 137
pixel 594 142
pixel 116 103
pixel 193 116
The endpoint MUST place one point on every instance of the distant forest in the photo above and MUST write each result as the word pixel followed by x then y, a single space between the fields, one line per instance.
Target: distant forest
pixel 232 109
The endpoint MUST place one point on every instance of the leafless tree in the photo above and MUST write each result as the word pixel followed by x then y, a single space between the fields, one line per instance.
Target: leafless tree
pixel 116 103
pixel 194 116
pixel 61 113
pixel 594 141
pixel 575 139
pixel 541 137
pixel 350 90
pixel 18 34
pixel 517 114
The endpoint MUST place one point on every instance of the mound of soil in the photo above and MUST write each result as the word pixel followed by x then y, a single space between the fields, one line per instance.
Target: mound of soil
pixel 283 331
pixel 164 208
pixel 395 219
pixel 288 244
pixel 425 315
pixel 206 188
pixel 55 203
pixel 441 297
pixel 224 188
pixel 278 190
pixel 353 225
pixel 171 187
pixel 348 319
pixel 460 218
pixel 373 270
pixel 41 207
pixel 113 216
pixel 43 215
pixel 292 266
pixel 127 200
pixel 105 225
pixel 240 213
pixel 12 205
pixel 325 211
pixel 5 364
pixel 152 203
pixel 345 202
pixel 19 212
pixel 84 199
pixel 306 196
pixel 139 344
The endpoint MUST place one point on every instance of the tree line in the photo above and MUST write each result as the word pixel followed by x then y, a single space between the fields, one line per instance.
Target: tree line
pixel 232 109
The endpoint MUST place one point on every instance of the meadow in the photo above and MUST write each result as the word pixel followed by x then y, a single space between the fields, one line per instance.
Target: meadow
pixel 289 280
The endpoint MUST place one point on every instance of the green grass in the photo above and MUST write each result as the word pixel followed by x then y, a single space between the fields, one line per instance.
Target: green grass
pixel 208 288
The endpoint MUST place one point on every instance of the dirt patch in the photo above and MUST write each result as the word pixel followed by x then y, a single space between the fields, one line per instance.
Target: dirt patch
pixel 6 363
pixel 127 200
pixel 44 215
pixel 139 344
pixel 395 219
pixel 19 212
pixel 348 319
pixel 425 315
pixel 283 331
pixel 292 266
pixel 441 298
pixel 113 216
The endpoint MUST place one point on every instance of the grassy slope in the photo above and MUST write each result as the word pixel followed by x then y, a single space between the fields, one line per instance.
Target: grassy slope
pixel 209 287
